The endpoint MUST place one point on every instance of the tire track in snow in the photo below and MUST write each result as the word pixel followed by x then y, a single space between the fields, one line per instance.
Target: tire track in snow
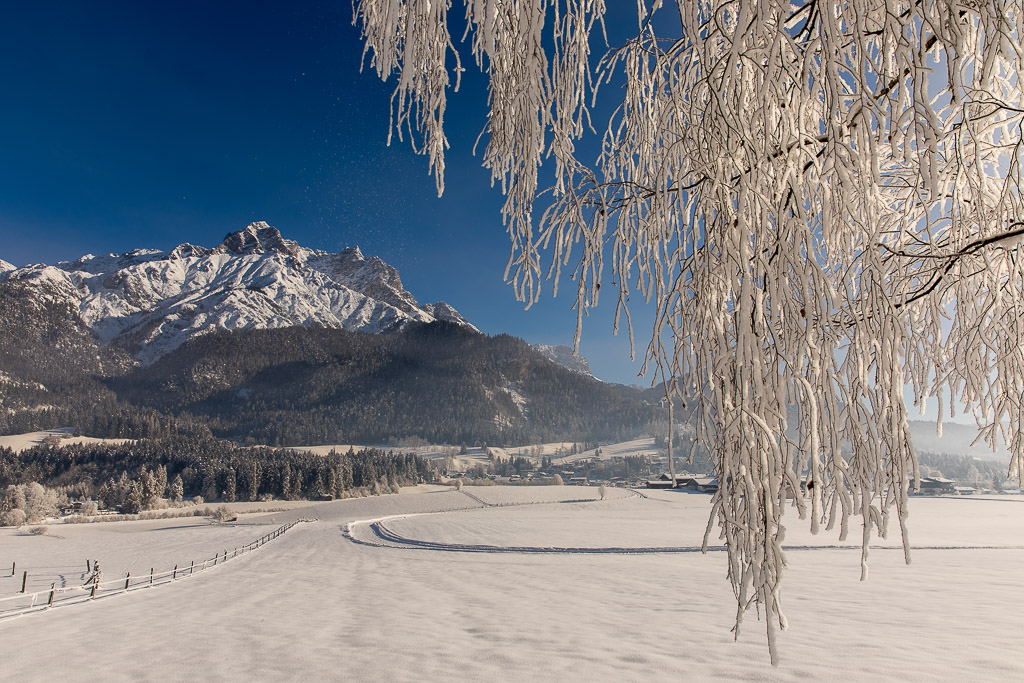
pixel 390 539
pixel 387 538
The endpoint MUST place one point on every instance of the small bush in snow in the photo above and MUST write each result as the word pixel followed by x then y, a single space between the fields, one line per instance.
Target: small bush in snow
pixel 38 530
pixel 15 517
pixel 224 514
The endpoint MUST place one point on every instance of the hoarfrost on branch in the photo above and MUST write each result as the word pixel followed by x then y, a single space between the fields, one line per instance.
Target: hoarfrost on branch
pixel 820 200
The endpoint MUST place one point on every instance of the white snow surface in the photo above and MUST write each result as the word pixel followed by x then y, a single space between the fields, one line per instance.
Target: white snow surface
pixel 59 555
pixel 154 301
pixel 5 266
pixel 315 605
pixel 21 442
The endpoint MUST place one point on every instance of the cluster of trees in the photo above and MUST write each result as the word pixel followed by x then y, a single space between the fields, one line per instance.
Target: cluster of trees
pixel 515 465
pixel 628 467
pixel 134 494
pixel 132 476
pixel 963 469
pixel 26 503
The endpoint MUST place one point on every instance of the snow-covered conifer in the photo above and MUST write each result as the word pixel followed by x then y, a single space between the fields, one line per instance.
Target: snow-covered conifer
pixel 177 489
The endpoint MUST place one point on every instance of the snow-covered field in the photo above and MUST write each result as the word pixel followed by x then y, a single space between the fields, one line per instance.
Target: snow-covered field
pixel 60 555
pixel 21 442
pixel 316 605
pixel 642 447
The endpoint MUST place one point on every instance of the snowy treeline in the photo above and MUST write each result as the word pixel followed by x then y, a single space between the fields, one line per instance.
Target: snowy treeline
pixel 964 469
pixel 132 476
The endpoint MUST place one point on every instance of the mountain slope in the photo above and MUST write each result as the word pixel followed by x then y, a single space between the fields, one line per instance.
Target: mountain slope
pixel 49 369
pixel 439 381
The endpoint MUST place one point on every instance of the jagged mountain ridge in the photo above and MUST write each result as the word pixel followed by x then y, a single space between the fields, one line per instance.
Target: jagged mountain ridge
pixel 149 302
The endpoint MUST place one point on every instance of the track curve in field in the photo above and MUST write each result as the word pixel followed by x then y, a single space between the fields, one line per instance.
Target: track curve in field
pixel 376 532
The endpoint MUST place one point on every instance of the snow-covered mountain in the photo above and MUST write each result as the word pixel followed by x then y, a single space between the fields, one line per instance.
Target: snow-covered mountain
pixel 564 356
pixel 150 302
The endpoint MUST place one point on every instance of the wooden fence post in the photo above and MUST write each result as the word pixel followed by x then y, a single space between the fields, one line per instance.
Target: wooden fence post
pixel 88 567
pixel 127 578
pixel 175 574
pixel 150 576
pixel 24 579
pixel 13 565
pixel 191 565
pixel 92 593
pixel 52 586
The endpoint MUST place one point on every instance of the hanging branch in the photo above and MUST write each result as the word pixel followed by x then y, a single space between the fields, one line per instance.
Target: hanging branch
pixel 817 200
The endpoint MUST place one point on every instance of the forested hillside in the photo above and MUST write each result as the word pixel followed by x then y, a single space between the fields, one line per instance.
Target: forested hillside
pixel 438 381
pixel 51 369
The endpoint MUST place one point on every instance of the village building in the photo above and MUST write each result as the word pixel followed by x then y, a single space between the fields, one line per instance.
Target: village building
pixel 936 486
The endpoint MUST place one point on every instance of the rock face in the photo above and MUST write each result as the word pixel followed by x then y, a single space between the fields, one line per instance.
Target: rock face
pixel 150 302
pixel 564 356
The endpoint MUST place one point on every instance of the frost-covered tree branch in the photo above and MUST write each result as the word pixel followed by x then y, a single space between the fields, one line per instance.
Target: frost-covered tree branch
pixel 819 200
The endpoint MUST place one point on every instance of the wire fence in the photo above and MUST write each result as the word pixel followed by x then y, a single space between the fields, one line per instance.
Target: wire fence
pixel 23 603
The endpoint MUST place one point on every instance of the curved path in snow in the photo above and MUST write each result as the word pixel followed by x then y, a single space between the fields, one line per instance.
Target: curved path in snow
pixel 378 534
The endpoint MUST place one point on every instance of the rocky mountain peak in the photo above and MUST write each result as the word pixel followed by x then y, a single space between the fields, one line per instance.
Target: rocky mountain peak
pixel 352 253
pixel 566 357
pixel 442 311
pixel 258 238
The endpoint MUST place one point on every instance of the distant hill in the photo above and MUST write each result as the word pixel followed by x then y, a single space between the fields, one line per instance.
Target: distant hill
pixel 439 381
pixel 956 439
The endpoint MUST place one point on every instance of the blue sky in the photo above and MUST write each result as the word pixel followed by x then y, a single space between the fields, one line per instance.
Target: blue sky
pixel 151 124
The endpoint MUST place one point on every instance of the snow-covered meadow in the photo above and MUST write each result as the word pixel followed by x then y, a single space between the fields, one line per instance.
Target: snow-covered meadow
pixel 316 604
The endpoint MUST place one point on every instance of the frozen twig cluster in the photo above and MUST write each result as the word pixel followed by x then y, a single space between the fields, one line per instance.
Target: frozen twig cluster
pixel 820 200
